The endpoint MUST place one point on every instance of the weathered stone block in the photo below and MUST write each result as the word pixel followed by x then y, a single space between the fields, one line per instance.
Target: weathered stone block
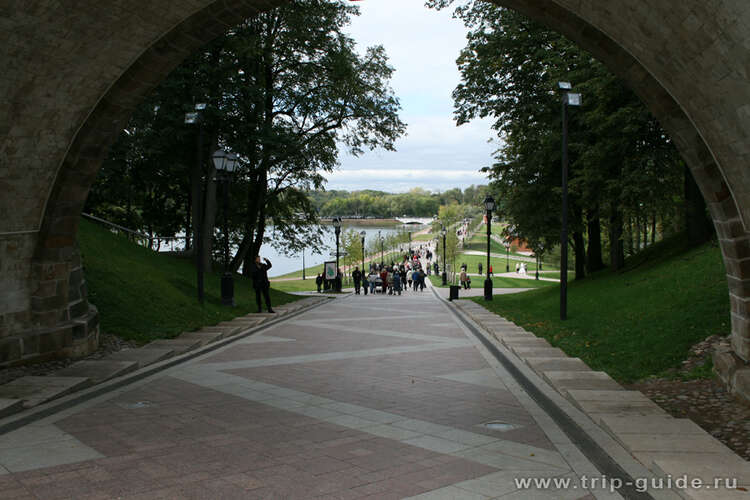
pixel 56 340
pixel 78 308
pixel 725 364
pixel 10 349
pixel 742 383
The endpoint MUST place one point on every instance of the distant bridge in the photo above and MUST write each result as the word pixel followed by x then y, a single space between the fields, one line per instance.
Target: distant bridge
pixel 414 220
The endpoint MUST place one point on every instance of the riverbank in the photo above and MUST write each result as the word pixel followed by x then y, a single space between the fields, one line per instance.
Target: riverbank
pixel 364 222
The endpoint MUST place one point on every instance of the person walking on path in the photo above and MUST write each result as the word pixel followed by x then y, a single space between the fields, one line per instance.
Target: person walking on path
pixel 479 266
pixel 319 282
pixel 261 283
pixel 491 270
pixel 462 278
pixel 421 280
pixel 396 282
pixel 357 277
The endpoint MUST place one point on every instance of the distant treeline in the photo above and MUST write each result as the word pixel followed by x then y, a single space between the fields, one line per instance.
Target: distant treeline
pixel 417 202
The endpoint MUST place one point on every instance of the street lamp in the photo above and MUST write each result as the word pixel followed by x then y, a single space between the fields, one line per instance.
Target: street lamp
pixel 363 234
pixel 489 205
pixel 568 99
pixel 225 164
pixel 337 229
pixel 381 249
pixel 191 119
pixel 443 232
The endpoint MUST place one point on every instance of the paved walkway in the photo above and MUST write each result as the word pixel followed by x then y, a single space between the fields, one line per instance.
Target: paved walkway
pixel 365 397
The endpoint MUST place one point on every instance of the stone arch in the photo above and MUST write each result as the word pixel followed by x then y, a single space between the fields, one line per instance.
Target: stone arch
pixel 78 74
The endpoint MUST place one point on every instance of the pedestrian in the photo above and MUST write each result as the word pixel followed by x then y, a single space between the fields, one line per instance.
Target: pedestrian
pixel 373 279
pixel 462 278
pixel 421 280
pixel 357 277
pixel 491 270
pixel 415 278
pixel 523 269
pixel 365 281
pixel 479 266
pixel 261 283
pixel 384 280
pixel 518 267
pixel 396 282
pixel 319 282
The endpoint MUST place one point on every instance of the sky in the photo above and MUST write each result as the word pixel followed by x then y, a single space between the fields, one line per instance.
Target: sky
pixel 422 45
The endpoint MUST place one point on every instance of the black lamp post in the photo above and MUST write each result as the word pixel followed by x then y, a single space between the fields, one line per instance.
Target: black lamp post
pixel 190 119
pixel 363 234
pixel 568 99
pixel 381 249
pixel 443 232
pixel 489 205
pixel 337 229
pixel 225 164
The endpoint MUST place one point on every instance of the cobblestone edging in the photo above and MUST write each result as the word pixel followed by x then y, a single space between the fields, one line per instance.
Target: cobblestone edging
pixel 667 446
pixel 128 365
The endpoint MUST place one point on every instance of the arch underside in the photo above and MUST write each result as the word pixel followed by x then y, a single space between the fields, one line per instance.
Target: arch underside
pixel 71 94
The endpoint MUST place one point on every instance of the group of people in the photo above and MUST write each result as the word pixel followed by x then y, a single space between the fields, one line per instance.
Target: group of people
pixel 393 279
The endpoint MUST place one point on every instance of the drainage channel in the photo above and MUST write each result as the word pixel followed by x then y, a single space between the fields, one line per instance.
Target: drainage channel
pixel 590 448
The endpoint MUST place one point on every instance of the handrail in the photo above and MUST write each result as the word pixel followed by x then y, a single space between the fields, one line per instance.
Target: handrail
pixel 116 226
pixel 135 235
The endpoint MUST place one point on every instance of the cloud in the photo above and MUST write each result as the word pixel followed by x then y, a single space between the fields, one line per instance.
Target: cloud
pixel 423 45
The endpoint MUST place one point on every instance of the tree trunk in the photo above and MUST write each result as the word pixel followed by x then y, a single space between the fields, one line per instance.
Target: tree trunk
pixel 630 235
pixel 580 252
pixel 637 224
pixel 699 226
pixel 594 258
pixel 616 244
pixel 653 229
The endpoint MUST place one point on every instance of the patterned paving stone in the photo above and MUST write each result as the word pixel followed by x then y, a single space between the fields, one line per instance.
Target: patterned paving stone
pixel 377 397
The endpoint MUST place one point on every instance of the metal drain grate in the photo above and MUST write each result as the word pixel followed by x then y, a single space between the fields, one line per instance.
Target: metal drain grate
pixel 497 425
pixel 136 405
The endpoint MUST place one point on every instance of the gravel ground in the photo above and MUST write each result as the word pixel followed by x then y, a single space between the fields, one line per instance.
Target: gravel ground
pixel 705 401
pixel 107 345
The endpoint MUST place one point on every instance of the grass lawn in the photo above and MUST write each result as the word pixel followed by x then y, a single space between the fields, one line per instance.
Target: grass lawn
pixel 498 264
pixel 635 323
pixel 143 295
pixel 307 285
pixel 497 282
pixel 422 237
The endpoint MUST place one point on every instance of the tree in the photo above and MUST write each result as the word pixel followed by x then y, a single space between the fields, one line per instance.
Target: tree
pixel 621 161
pixel 285 90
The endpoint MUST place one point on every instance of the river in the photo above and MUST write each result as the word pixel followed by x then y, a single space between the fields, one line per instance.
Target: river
pixel 285 263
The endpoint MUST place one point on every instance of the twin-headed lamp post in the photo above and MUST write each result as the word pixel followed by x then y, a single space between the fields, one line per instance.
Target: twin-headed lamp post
pixel 225 164
pixel 489 205
pixel 337 229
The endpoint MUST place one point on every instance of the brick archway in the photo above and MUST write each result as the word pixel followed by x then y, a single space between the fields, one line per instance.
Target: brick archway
pixel 74 76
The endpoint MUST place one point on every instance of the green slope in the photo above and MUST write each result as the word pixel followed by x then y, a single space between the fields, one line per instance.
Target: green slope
pixel 143 295
pixel 635 323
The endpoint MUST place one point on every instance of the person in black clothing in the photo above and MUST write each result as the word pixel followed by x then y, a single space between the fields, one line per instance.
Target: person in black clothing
pixel 261 283
pixel 319 281
pixel 357 277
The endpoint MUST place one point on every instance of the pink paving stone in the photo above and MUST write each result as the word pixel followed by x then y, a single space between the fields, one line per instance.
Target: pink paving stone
pixel 194 442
